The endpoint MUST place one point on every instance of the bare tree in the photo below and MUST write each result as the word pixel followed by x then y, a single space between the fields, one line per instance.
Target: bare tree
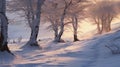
pixel 103 13
pixel 56 11
pixel 3 27
pixel 29 12
pixel 32 12
pixel 77 14
pixel 75 26
pixel 66 6
pixel 26 6
pixel 52 14
pixel 56 16
pixel 36 23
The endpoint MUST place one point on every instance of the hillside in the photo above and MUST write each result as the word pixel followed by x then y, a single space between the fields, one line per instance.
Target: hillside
pixel 85 53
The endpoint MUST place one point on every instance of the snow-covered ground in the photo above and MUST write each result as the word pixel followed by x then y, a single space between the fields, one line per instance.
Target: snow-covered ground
pixel 90 51
pixel 85 53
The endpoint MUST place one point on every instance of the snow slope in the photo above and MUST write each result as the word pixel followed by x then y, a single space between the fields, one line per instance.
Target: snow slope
pixel 85 53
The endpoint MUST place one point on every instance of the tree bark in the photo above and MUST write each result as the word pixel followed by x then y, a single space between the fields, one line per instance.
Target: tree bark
pixel 36 23
pixel 30 12
pixel 55 32
pixel 106 27
pixel 99 28
pixel 75 27
pixel 3 27
pixel 58 38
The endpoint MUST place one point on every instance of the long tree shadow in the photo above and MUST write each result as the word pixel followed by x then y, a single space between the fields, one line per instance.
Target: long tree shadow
pixel 28 48
pixel 28 65
pixel 28 52
pixel 6 59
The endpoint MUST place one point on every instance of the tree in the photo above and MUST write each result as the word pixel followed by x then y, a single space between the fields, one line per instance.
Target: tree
pixel 75 26
pixel 103 13
pixel 36 23
pixel 52 15
pixel 29 11
pixel 26 6
pixel 77 14
pixel 32 12
pixel 56 14
pixel 3 27
pixel 66 6
pixel 58 11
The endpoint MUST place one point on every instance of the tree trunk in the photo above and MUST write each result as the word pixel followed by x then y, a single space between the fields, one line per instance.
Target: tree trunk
pixel 3 47
pixel 75 27
pixel 3 27
pixel 104 29
pixel 75 38
pixel 108 26
pixel 29 13
pixel 58 38
pixel 99 28
pixel 55 33
pixel 36 23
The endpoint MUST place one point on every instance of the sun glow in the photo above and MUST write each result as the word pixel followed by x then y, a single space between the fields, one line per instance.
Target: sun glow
pixel 84 30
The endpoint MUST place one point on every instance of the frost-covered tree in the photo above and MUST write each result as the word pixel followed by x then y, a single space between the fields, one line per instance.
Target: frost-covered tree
pixel 35 24
pixel 32 12
pixel 51 14
pixel 66 5
pixel 103 13
pixel 27 7
pixel 77 14
pixel 56 13
pixel 3 27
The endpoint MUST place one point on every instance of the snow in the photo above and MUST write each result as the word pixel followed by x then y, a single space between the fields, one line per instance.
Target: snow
pixel 88 52
pixel 85 53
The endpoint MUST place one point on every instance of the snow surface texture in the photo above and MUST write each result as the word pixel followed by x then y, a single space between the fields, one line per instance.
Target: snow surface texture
pixel 86 53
